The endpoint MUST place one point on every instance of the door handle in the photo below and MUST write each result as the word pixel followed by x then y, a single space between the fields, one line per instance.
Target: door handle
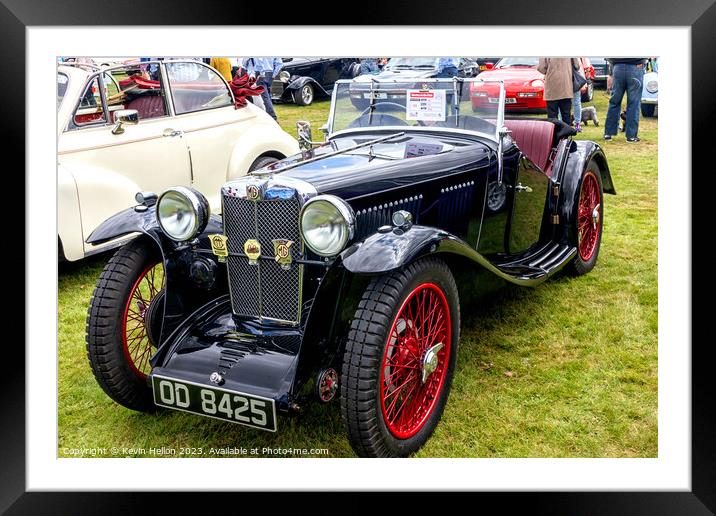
pixel 520 188
pixel 172 132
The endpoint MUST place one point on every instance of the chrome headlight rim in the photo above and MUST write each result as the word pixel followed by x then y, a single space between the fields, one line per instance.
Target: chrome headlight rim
pixel 199 207
pixel 343 209
pixel 284 76
pixel 652 86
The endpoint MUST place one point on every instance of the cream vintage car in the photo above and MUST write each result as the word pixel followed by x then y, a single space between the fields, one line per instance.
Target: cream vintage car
pixel 119 134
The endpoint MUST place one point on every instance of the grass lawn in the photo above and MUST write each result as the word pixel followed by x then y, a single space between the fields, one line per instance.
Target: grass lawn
pixel 568 369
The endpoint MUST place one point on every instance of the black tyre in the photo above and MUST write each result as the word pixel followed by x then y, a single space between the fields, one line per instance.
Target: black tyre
pixel 123 322
pixel 262 162
pixel 304 95
pixel 588 95
pixel 399 359
pixel 588 220
pixel 648 110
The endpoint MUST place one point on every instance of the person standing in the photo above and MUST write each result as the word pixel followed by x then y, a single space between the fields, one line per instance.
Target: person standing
pixel 584 65
pixel 627 77
pixel 447 67
pixel 369 65
pixel 223 66
pixel 558 85
pixel 264 69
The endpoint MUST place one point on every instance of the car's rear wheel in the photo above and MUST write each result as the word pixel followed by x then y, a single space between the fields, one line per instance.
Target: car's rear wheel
pixel 588 220
pixel 399 359
pixel 303 96
pixel 123 323
pixel 588 95
pixel 648 110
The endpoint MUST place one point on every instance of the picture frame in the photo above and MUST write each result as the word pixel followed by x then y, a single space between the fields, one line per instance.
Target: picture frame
pixel 16 17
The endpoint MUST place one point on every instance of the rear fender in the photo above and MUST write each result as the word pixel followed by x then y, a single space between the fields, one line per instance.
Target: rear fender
pixel 580 153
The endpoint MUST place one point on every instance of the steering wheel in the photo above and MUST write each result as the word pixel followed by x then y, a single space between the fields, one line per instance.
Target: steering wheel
pixel 380 107
pixel 380 118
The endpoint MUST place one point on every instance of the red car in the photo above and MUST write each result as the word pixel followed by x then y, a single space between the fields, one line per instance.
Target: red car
pixel 524 86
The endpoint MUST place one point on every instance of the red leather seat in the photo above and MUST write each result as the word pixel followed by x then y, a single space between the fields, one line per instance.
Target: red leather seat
pixel 147 106
pixel 534 138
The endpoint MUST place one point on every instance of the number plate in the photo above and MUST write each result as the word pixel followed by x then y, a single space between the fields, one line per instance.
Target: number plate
pixel 376 95
pixel 237 407
pixel 508 100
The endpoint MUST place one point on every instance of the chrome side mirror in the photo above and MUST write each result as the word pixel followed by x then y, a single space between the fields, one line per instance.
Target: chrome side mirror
pixel 124 117
pixel 305 136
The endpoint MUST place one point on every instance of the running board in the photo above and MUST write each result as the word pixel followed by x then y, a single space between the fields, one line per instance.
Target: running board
pixel 539 265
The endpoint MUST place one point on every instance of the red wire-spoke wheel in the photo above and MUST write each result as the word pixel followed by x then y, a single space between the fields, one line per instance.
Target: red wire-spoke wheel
pixel 399 359
pixel 136 341
pixel 589 219
pixel 415 360
pixel 123 321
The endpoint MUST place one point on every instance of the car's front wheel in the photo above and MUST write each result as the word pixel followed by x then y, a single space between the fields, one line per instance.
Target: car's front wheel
pixel 303 96
pixel 123 323
pixel 399 359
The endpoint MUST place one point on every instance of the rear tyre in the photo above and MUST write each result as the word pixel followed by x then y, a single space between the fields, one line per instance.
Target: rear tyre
pixel 122 323
pixel 588 95
pixel 648 110
pixel 303 96
pixel 399 359
pixel 588 220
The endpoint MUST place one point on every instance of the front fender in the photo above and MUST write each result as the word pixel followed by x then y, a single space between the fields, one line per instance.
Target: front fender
pixel 384 252
pixel 300 82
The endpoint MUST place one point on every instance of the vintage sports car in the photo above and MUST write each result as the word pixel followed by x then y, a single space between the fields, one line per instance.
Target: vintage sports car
pixel 339 272
pixel 302 79
pixel 524 85
pixel 650 89
pixel 119 134
pixel 406 68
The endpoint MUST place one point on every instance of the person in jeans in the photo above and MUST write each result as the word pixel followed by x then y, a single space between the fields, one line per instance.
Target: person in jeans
pixel 369 65
pixel 264 68
pixel 447 67
pixel 584 65
pixel 627 77
pixel 558 89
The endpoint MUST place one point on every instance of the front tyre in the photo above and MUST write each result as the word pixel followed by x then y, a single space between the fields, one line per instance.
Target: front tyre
pixel 123 322
pixel 303 96
pixel 399 359
pixel 588 220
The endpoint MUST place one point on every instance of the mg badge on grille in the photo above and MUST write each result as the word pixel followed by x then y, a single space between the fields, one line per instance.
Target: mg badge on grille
pixel 252 249
pixel 282 250
pixel 253 192
pixel 218 246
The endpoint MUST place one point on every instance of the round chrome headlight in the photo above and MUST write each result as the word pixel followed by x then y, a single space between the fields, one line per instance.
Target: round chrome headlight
pixel 327 224
pixel 652 86
pixel 284 76
pixel 182 213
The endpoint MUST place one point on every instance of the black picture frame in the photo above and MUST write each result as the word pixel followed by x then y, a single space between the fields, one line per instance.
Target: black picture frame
pixel 17 15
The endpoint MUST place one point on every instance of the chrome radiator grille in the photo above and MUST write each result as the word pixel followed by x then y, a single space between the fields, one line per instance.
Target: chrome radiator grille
pixel 265 289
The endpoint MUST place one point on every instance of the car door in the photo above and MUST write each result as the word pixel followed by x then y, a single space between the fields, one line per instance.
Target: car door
pixel 109 167
pixel 529 201
pixel 209 122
